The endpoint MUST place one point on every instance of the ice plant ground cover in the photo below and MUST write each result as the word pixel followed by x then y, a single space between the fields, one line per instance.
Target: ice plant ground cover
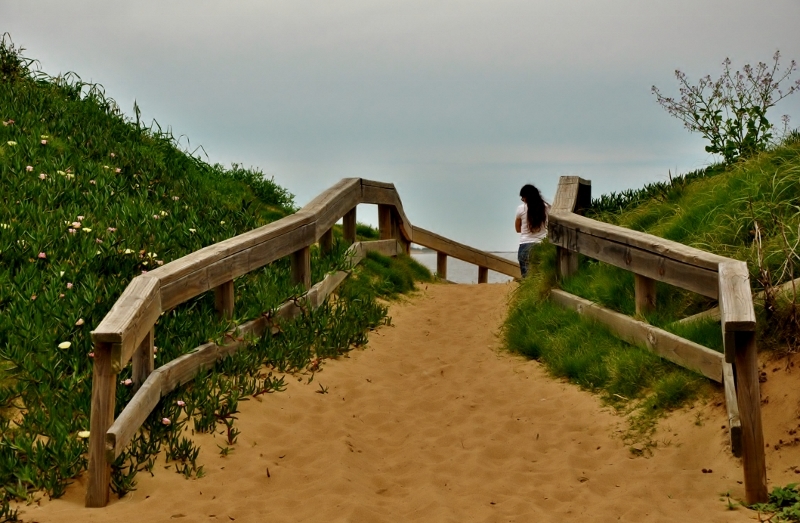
pixel 90 200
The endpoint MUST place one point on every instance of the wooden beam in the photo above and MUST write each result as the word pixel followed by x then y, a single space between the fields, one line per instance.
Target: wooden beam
pixel 667 345
pixel 326 242
pixel 327 208
pixel 678 252
pixel 104 386
pixel 205 257
pixel 649 263
pixel 205 278
pixel 483 275
pixel 573 194
pixel 732 405
pixel 133 416
pixel 441 265
pixel 749 396
pixel 224 299
pixel 466 253
pixel 349 226
pixel 130 319
pixel 385 225
pixel 301 267
pixel 645 294
pixel 143 361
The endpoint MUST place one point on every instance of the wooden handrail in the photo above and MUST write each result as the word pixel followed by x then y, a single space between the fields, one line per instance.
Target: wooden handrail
pixel 126 332
pixel 653 259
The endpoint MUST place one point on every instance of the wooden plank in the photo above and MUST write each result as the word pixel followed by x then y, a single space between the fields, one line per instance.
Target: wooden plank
pixel 104 386
pixel 130 320
pixel 732 405
pixel 205 278
pixel 646 263
pixel 143 361
pixel 332 204
pixel 301 267
pixel 122 324
pixel 749 396
pixel 224 300
pixel 646 242
pixel 735 297
pixel 133 416
pixel 644 294
pixel 466 253
pixel 483 275
pixel 711 314
pixel 178 269
pixel 349 226
pixel 667 345
pixel 441 265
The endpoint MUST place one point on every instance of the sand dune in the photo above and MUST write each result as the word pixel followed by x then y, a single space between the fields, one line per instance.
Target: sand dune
pixel 433 422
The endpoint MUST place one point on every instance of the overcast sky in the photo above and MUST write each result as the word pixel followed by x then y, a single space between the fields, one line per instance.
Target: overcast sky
pixel 458 103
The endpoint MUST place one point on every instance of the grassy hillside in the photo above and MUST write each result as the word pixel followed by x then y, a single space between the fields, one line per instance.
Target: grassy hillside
pixel 748 211
pixel 90 200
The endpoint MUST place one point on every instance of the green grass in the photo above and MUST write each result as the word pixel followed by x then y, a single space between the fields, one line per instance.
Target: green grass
pixel 586 353
pixel 91 200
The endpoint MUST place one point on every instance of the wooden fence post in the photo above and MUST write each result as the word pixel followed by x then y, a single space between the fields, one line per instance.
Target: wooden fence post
pixel 441 265
pixel 566 262
pixel 385 222
pixel 645 293
pixel 224 300
pixel 349 226
pixel 326 241
pixel 483 275
pixel 749 396
pixel 301 267
pixel 104 387
pixel 143 362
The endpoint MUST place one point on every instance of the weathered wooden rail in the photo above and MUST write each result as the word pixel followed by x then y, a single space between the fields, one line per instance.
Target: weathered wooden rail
pixel 126 334
pixel 653 259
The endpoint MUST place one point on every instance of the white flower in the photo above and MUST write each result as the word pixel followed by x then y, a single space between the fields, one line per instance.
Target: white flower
pixel 64 345
pixel 192 231
pixel 87 229
pixel 128 251
pixel 83 434
pixel 4 226
pixel 11 143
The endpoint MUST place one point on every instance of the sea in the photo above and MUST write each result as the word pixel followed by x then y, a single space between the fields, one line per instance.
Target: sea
pixel 459 271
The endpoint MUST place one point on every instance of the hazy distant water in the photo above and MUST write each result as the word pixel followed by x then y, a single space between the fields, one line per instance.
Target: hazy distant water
pixel 463 272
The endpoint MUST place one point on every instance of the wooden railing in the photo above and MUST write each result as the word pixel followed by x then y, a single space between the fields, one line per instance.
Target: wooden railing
pixel 126 334
pixel 653 259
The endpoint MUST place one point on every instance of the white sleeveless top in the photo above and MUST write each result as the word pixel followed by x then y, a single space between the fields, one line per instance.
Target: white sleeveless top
pixel 526 236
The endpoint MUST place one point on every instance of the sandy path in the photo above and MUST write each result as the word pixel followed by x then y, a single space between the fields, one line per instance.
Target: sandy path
pixel 433 423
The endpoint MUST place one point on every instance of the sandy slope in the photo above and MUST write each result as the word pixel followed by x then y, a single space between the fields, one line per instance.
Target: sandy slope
pixel 433 423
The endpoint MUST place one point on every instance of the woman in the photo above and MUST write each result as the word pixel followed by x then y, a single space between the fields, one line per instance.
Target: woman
pixel 531 223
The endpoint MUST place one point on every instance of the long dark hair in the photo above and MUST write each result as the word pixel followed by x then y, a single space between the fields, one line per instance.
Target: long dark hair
pixel 537 213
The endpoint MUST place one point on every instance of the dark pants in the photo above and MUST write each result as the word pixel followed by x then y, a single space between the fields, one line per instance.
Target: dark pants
pixel 523 254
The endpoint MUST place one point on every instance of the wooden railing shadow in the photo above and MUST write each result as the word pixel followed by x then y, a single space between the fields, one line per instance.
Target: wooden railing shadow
pixel 126 334
pixel 653 259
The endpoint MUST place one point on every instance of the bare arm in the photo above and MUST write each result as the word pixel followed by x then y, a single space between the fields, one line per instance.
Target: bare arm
pixel 518 224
